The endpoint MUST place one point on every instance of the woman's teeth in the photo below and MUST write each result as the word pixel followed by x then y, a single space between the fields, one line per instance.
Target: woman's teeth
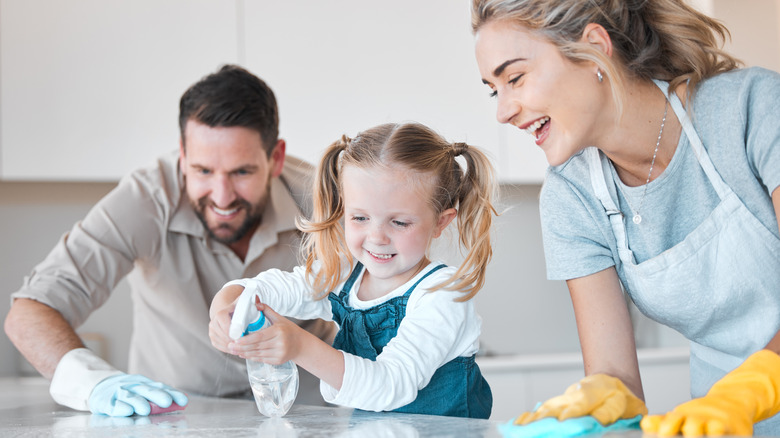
pixel 536 125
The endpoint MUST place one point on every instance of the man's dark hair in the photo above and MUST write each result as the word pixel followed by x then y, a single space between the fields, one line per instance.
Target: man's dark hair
pixel 232 97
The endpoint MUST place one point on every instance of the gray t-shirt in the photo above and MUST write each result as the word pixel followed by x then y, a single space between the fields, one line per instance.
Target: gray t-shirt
pixel 737 117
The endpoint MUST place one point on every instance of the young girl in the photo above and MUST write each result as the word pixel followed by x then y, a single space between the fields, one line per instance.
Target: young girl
pixel 408 332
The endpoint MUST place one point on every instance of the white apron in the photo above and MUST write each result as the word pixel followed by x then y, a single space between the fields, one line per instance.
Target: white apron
pixel 719 287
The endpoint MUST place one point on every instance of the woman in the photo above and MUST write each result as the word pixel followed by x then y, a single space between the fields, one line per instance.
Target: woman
pixel 676 202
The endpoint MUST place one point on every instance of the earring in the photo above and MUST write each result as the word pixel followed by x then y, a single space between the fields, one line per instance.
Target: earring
pixel 601 78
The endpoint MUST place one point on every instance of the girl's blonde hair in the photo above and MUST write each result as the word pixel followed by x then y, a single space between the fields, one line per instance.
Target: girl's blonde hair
pixel 651 39
pixel 471 190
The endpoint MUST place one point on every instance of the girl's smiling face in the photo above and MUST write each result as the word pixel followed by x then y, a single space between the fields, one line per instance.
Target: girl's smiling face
pixel 389 223
pixel 559 102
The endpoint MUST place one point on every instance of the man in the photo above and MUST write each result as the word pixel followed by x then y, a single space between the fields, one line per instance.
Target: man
pixel 222 207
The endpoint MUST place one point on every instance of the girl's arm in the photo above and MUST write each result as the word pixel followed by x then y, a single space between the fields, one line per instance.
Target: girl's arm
pixel 431 334
pixel 285 340
pixel 605 329
pixel 287 292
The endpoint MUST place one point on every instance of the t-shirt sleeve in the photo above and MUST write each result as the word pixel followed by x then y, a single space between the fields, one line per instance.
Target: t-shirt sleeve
pixel 575 244
pixel 762 126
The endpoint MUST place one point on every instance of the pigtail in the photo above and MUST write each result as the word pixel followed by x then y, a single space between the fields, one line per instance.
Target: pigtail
pixel 475 196
pixel 324 233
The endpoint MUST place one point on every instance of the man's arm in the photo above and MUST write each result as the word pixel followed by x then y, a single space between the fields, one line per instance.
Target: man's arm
pixel 41 334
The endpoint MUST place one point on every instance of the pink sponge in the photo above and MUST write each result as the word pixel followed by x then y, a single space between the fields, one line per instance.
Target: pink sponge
pixel 158 410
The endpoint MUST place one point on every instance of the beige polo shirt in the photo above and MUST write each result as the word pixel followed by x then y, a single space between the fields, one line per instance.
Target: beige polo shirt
pixel 146 229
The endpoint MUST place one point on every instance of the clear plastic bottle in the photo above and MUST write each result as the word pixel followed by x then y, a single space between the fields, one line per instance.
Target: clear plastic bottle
pixel 274 386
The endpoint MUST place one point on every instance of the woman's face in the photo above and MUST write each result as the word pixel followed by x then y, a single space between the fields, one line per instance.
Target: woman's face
pixel 539 91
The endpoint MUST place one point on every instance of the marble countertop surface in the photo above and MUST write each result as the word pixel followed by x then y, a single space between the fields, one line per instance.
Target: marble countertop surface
pixel 26 410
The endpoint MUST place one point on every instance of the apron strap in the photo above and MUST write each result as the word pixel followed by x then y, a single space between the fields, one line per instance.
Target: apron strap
pixel 698 148
pixel 616 219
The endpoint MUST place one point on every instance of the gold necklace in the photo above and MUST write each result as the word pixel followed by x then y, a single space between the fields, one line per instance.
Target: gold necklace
pixel 637 217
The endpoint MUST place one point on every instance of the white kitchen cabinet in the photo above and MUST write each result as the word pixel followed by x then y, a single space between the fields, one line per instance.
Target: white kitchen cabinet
pixel 347 65
pixel 89 89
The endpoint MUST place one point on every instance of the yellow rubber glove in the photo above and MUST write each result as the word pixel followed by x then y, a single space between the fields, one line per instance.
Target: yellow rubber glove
pixel 603 397
pixel 748 394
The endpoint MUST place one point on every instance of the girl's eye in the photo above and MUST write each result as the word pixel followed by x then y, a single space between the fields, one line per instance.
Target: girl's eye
pixel 359 219
pixel 401 224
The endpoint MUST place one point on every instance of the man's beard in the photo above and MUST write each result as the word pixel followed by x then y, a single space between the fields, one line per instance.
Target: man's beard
pixel 254 215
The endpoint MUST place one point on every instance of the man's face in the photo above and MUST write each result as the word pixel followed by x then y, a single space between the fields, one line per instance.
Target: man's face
pixel 228 173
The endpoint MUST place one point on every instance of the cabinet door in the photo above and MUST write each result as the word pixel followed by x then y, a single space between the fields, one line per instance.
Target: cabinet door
pixel 90 89
pixel 342 66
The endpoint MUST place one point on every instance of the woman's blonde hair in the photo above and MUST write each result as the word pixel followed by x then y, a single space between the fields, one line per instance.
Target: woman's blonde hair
pixel 419 149
pixel 651 39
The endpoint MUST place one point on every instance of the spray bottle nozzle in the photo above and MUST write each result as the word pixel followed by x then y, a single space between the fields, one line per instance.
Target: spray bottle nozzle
pixel 246 317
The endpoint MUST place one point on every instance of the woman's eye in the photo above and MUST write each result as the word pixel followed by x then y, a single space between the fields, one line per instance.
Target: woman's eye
pixel 515 79
pixel 493 93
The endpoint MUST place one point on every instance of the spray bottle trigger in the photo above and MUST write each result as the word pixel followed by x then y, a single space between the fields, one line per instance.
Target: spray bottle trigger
pixel 244 315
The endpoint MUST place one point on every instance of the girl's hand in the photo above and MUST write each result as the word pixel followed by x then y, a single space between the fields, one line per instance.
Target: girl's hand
pixel 221 312
pixel 218 328
pixel 277 344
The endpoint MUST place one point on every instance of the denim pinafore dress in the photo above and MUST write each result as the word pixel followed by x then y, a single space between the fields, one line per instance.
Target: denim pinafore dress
pixel 718 287
pixel 456 389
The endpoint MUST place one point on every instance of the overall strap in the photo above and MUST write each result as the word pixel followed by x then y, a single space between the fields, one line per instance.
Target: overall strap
pixel 414 286
pixel 350 281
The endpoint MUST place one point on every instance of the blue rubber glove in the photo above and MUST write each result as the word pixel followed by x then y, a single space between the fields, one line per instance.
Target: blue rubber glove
pixel 123 395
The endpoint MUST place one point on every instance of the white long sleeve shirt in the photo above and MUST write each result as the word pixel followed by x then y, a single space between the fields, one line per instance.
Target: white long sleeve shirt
pixel 435 330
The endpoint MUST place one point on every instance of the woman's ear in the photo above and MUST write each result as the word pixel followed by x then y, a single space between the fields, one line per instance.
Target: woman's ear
pixel 598 37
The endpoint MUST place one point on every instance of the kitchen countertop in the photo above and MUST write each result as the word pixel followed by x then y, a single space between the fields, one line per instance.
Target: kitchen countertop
pixel 26 410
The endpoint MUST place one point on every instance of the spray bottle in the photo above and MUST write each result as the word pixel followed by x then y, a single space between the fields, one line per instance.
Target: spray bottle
pixel 274 386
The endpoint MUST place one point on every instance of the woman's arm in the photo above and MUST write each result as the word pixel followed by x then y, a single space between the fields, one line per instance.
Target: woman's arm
pixel 774 344
pixel 605 329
